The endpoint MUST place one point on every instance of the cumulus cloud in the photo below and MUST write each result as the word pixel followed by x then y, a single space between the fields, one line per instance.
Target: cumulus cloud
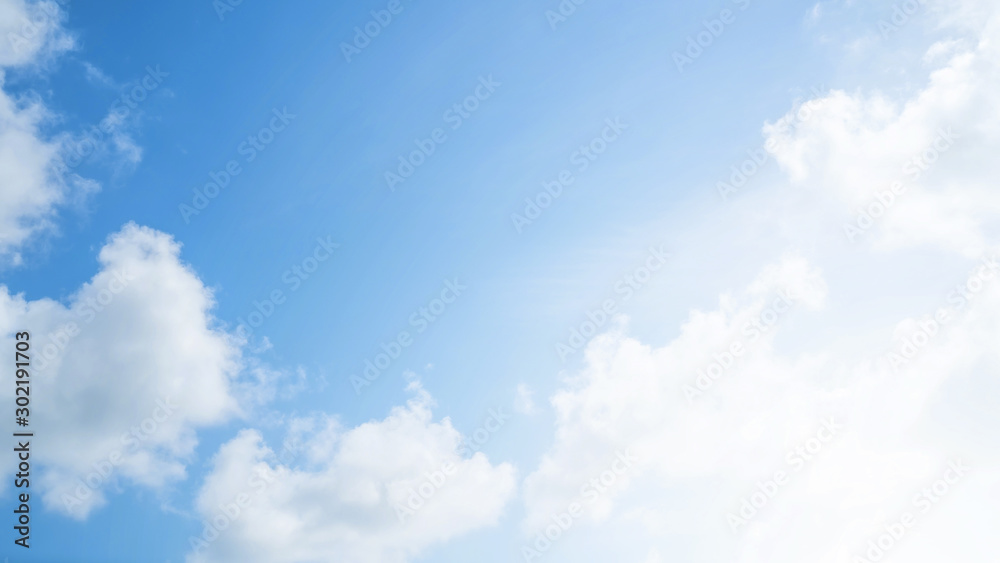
pixel 123 373
pixel 37 175
pixel 863 434
pixel 631 396
pixel 721 409
pixel 913 171
pixel 383 491
pixel 32 182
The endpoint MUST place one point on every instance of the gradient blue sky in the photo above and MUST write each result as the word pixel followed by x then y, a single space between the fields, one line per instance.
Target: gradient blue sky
pixel 323 176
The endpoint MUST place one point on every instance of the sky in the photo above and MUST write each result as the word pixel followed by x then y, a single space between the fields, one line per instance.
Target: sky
pixel 553 281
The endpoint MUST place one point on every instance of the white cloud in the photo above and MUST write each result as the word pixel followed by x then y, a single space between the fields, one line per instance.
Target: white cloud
pixel 123 373
pixel 31 32
pixel 98 77
pixel 699 460
pixel 938 144
pixel 382 492
pixel 36 170
pixel 32 184
pixel 630 396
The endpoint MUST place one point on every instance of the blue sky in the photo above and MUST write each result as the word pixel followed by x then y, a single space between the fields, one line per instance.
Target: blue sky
pixel 326 132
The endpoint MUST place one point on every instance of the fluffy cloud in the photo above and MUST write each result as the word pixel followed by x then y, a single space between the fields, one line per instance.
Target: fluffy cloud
pixel 32 182
pixel 936 149
pixel 382 492
pixel 721 409
pixel 863 432
pixel 36 170
pixel 31 32
pixel 632 397
pixel 123 373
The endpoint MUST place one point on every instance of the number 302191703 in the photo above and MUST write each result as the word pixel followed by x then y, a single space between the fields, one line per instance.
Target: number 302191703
pixel 23 381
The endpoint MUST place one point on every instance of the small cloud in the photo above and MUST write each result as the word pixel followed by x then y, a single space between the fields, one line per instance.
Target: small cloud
pixel 98 77
pixel 523 403
pixel 814 15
